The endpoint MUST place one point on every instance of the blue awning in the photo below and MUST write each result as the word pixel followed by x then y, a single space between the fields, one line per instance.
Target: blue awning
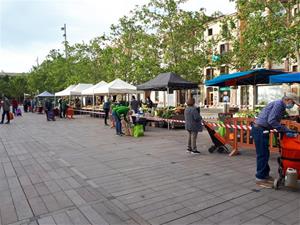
pixel 250 77
pixel 286 78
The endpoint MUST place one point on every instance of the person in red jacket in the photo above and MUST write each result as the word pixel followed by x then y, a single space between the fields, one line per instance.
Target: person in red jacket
pixel 14 103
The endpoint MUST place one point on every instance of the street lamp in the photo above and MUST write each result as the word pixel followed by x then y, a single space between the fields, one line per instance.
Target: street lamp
pixel 64 28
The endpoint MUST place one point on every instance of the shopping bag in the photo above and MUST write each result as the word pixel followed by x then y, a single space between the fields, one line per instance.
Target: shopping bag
pixel 138 130
pixel 11 116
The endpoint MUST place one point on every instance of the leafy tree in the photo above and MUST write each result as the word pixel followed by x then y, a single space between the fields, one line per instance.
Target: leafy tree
pixel 268 33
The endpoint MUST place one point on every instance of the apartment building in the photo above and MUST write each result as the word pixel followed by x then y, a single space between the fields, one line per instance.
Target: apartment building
pixel 241 96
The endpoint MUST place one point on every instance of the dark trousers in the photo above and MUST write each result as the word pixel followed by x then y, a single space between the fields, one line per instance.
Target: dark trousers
pixel 261 141
pixel 106 111
pixel 118 123
pixel 14 109
pixel 7 116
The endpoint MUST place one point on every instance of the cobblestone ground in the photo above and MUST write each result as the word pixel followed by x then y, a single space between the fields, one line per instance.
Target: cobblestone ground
pixel 78 172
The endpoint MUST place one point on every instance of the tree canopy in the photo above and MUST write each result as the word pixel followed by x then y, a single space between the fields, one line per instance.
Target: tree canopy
pixel 161 37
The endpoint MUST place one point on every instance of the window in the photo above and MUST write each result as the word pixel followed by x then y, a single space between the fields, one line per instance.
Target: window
pixel 295 11
pixel 224 48
pixel 210 31
pixel 209 73
pixel 295 68
pixel 224 70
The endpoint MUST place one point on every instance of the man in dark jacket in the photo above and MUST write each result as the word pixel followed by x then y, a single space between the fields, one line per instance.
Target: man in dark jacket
pixel 6 109
pixel 193 124
pixel 269 119
pixel 106 108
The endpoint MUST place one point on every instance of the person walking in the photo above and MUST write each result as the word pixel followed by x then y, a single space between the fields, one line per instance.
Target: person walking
pixel 117 113
pixel 6 110
pixel 193 124
pixel 269 119
pixel 49 110
pixel 106 108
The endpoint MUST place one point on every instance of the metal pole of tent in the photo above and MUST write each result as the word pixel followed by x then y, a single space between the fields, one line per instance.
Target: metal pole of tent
pixel 168 105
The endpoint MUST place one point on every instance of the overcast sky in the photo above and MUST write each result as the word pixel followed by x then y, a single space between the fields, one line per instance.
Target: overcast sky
pixel 29 29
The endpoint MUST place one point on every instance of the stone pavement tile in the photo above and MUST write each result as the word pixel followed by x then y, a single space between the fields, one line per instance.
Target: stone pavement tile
pixel 205 222
pixel 162 211
pixel 290 218
pixel 186 219
pixel 61 219
pixel 73 182
pixel 37 206
pixel 283 210
pixel 30 191
pixel 5 197
pixel 262 220
pixel 87 195
pixel 75 197
pixel 9 170
pixel 7 214
pixel 62 199
pixel 94 217
pixel 42 189
pixel 64 185
pixel 225 214
pixel 24 180
pixel 120 205
pixel 20 171
pixel 48 220
pixel 206 204
pixel 148 202
pixel 112 216
pixel 51 203
pixel 239 218
pixel 137 218
pixel 23 209
pixel 77 217
pixel 210 211
pixel 164 218
pixel 35 178
pixel 52 186
pixel 131 222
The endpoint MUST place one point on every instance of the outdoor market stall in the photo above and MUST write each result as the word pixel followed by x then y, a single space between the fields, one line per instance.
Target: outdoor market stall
pixel 40 97
pixel 285 78
pixel 65 92
pixel 167 82
pixel 91 92
pixel 117 86
pixel 237 130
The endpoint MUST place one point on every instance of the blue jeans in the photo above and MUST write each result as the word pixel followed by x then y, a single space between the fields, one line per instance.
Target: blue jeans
pixel 261 141
pixel 118 123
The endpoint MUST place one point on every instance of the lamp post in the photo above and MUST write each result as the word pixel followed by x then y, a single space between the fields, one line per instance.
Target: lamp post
pixel 64 28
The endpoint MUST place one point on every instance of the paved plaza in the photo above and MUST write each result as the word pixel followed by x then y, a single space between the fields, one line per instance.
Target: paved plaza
pixel 78 172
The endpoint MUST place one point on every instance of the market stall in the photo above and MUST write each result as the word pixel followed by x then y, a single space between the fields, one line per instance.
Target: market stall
pixel 167 82
pixel 40 98
pixel 91 92
pixel 285 78
pixel 117 86
pixel 65 92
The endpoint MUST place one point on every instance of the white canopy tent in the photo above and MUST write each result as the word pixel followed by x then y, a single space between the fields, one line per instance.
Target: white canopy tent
pixel 79 88
pixel 117 86
pixel 65 92
pixel 90 90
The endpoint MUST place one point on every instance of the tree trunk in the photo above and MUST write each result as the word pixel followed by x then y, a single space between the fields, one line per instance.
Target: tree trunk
pixel 298 59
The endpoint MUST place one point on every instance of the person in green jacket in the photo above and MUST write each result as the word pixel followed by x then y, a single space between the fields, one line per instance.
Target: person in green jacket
pixel 117 114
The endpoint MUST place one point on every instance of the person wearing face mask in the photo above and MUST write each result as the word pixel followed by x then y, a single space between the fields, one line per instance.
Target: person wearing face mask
pixel 269 119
